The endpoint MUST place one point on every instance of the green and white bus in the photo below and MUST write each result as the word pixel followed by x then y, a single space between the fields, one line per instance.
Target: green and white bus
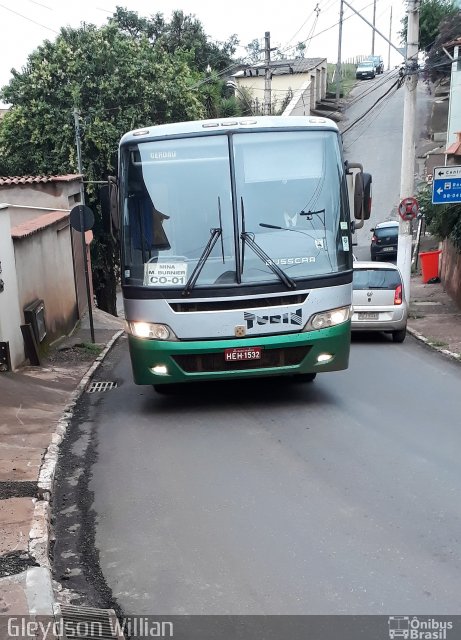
pixel 236 248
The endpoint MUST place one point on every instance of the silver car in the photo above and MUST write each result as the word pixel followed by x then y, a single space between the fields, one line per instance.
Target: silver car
pixel 379 299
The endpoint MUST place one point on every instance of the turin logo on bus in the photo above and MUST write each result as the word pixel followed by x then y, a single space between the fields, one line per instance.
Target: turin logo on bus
pixel 290 317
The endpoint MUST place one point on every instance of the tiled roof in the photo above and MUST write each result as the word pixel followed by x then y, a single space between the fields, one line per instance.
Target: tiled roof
pixel 8 181
pixel 37 224
pixel 297 65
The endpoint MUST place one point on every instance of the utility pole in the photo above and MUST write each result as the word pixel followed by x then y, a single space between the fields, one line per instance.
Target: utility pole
pixel 373 30
pixel 407 180
pixel 389 46
pixel 338 63
pixel 82 225
pixel 267 82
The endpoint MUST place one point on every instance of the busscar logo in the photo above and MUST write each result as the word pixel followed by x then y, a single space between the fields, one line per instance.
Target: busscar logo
pixel 291 317
pixel 418 629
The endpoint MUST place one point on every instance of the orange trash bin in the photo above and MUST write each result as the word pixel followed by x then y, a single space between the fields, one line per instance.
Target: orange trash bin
pixel 430 264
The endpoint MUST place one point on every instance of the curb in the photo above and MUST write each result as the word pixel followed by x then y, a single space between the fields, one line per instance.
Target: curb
pixel 445 352
pixel 39 535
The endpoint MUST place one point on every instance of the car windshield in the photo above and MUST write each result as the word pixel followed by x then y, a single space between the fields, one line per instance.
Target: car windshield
pixel 366 64
pixel 267 201
pixel 376 279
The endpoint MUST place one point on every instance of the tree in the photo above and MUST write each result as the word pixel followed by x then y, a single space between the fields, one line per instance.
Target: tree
pixel 254 51
pixel 431 14
pixel 438 64
pixel 182 32
pixel 117 82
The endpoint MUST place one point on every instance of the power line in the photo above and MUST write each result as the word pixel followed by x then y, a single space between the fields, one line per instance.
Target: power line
pixel 375 114
pixel 29 19
pixel 377 85
pixel 41 5
pixel 353 124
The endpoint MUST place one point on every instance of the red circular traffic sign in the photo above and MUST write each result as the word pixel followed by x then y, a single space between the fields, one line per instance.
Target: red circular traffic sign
pixel 408 208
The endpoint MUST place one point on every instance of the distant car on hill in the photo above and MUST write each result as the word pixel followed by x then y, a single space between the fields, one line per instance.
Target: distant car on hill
pixel 378 63
pixel 365 69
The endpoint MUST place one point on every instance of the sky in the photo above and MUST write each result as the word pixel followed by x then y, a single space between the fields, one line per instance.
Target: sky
pixel 25 24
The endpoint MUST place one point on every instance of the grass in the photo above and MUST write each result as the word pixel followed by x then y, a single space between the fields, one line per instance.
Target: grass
pixel 348 78
pixel 90 348
pixel 437 343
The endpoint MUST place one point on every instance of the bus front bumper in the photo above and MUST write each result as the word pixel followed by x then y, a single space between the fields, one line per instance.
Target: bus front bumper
pixel 163 362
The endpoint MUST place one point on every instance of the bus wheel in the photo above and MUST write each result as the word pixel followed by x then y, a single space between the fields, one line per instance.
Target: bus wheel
pixel 305 377
pixel 165 389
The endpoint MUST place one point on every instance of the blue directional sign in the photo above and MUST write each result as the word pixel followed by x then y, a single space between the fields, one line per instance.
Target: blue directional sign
pixel 446 185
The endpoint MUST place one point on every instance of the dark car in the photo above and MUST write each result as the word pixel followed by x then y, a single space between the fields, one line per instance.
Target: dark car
pixel 365 69
pixel 378 63
pixel 384 240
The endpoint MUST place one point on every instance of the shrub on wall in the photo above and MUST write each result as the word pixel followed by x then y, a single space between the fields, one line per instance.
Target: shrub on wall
pixel 443 220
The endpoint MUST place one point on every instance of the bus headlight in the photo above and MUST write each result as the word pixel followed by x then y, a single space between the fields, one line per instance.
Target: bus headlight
pixel 151 331
pixel 330 318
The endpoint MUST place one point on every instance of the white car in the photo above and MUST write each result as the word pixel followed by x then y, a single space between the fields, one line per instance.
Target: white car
pixel 378 299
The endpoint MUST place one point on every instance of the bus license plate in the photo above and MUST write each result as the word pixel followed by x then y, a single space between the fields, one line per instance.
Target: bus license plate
pixel 242 353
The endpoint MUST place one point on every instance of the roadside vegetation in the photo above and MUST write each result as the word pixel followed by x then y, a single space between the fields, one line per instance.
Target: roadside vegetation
pixel 443 220
pixel 348 79
pixel 130 72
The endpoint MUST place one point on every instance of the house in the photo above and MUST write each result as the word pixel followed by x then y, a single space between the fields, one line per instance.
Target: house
pixel 302 82
pixel 41 260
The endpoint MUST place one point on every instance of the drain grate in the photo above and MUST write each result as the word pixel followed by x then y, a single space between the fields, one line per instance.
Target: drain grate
pixel 96 387
pixel 87 623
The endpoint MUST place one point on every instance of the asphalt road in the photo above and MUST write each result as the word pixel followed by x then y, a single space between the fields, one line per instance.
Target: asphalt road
pixel 339 497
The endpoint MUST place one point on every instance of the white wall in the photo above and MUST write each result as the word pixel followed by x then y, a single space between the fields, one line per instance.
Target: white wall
pixel 45 272
pixel 10 314
pixel 454 113
pixel 300 104
pixel 280 84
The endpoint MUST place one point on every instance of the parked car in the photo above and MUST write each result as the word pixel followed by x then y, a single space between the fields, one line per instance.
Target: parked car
pixel 378 64
pixel 365 69
pixel 378 299
pixel 384 240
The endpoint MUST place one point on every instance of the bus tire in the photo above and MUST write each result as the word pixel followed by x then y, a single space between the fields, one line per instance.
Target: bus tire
pixel 305 377
pixel 165 389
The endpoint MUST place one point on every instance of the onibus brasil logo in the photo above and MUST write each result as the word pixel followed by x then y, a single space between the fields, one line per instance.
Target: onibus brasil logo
pixel 415 628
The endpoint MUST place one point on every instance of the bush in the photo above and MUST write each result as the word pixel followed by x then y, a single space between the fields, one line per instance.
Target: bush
pixel 443 220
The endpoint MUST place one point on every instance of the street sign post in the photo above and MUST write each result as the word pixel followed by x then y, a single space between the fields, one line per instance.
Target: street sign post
pixel 408 209
pixel 446 185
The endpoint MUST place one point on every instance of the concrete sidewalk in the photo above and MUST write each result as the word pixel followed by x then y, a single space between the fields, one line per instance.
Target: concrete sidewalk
pixel 35 406
pixel 434 318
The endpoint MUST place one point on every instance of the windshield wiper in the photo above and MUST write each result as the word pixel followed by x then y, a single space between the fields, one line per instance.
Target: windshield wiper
pixel 214 235
pixel 250 241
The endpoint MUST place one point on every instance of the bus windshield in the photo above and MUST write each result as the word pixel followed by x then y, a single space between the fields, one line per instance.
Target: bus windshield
pixel 282 190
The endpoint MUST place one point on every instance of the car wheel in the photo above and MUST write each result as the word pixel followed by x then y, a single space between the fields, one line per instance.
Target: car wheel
pixel 399 336
pixel 304 377
pixel 373 258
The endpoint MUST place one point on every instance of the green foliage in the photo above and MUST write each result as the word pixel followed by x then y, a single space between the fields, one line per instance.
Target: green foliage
pixel 183 32
pixel 431 14
pixel 438 65
pixel 443 220
pixel 130 73
pixel 253 51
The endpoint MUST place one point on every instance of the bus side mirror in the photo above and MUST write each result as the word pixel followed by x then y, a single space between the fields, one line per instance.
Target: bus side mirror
pixel 108 195
pixel 358 196
pixel 367 180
